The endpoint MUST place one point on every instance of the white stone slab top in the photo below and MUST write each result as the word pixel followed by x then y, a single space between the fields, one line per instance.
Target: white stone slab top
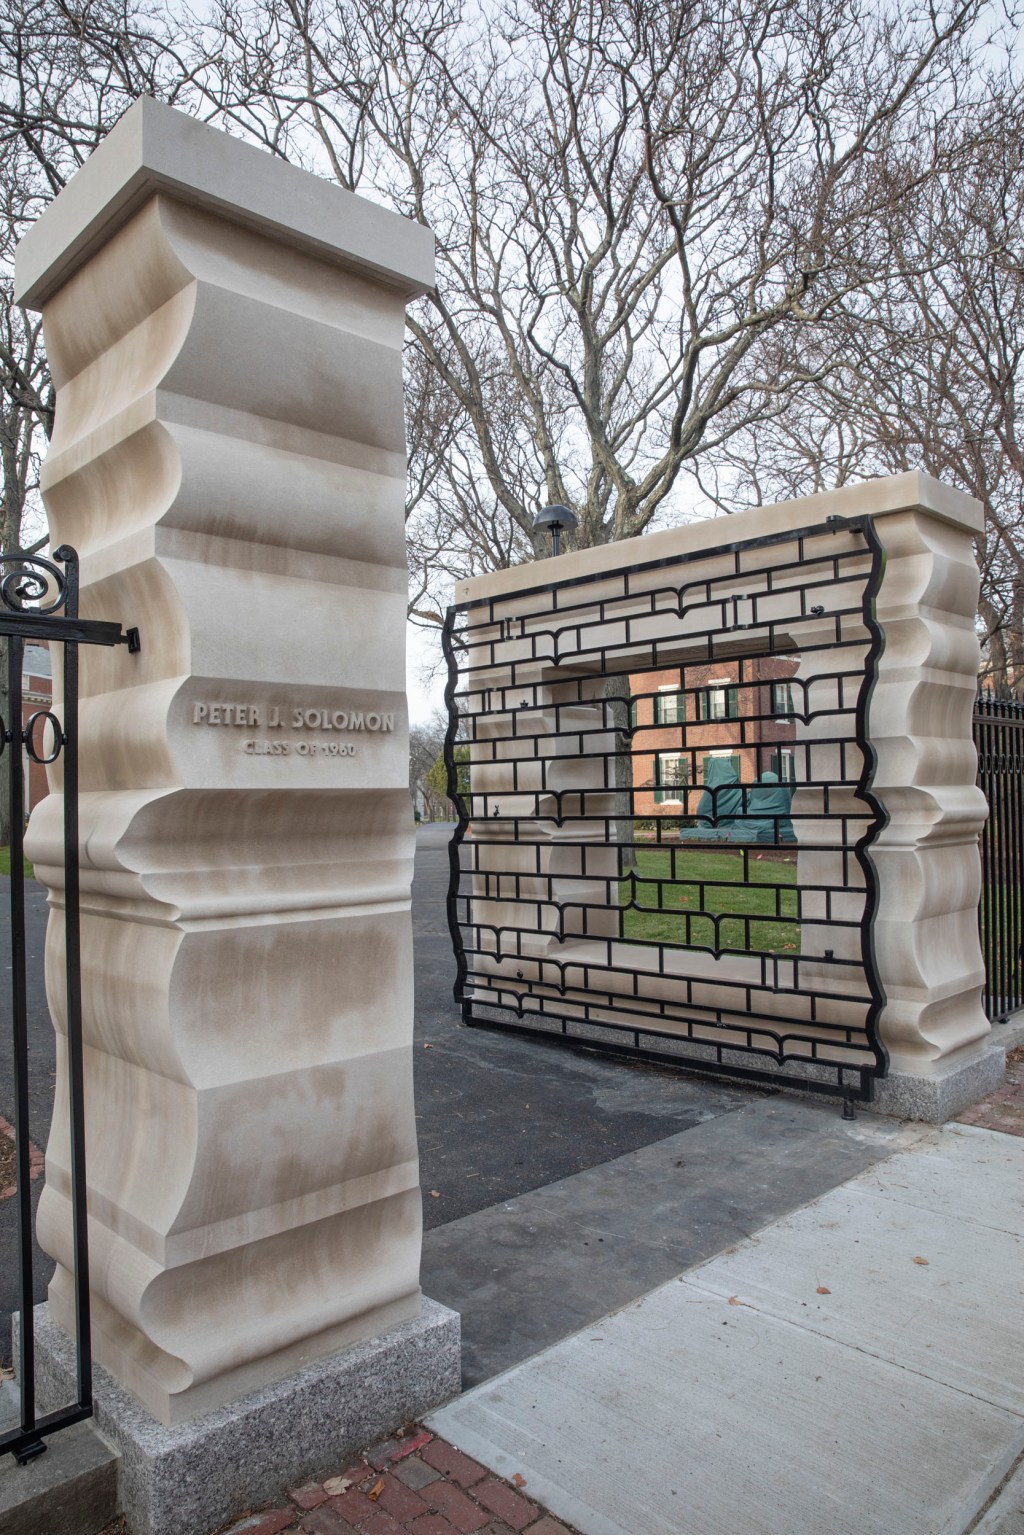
pixel 155 148
pixel 893 493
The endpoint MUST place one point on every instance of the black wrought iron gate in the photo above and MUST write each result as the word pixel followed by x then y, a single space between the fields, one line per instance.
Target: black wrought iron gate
pixel 999 738
pixel 39 601
pixel 715 898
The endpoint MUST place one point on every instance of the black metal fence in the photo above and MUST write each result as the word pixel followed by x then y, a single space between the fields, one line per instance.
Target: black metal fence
pixel 39 601
pixel 999 738
pixel 662 776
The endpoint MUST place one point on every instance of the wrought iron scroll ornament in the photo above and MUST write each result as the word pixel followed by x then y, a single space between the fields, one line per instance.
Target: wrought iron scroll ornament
pixel 33 584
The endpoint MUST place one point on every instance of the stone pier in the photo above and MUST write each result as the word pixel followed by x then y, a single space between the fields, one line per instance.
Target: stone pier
pixel 225 336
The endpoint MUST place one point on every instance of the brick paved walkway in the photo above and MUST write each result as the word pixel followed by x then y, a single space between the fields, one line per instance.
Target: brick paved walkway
pixel 1003 1109
pixel 414 1485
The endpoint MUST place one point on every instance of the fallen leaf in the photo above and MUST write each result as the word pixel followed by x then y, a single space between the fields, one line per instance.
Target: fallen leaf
pixel 519 1480
pixel 376 1490
pixel 822 1290
pixel 734 1300
pixel 922 1261
pixel 435 1193
pixel 337 1484
pixel 428 1047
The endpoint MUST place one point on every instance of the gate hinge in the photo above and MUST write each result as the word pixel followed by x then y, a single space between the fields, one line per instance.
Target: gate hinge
pixel 131 639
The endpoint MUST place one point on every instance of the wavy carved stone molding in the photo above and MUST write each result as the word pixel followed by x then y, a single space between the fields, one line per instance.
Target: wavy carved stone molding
pixel 228 458
pixel 926 857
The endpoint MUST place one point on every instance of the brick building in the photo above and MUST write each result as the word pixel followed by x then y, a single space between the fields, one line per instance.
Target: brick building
pixel 681 716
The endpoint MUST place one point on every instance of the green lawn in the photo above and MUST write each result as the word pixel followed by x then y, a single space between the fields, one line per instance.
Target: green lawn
pixel 662 917
pixel 5 863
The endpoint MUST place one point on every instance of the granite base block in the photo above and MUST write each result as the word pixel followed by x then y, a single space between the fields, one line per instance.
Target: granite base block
pixel 944 1093
pixel 189 1479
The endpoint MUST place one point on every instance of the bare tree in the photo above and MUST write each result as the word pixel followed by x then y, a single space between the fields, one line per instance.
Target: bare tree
pixel 25 414
pixel 67 74
pixel 628 200
pixel 648 216
pixel 426 746
pixel 925 371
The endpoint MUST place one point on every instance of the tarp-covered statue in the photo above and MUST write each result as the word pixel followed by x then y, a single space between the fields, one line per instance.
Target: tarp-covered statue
pixel 720 810
pixel 771 798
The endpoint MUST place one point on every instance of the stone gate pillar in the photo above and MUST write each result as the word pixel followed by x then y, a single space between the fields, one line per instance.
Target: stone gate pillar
pixel 225 335
pixel 929 868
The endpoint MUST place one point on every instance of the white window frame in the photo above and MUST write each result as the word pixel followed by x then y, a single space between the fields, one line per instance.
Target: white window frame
pixel 717 689
pixel 786 768
pixel 660 784
pixel 676 691
pixel 786 715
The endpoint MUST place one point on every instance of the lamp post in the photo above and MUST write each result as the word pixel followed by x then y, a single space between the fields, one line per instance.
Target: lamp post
pixel 556 518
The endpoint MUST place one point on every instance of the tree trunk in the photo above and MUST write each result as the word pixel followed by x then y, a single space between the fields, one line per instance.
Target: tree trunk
pixel 997 658
pixel 616 692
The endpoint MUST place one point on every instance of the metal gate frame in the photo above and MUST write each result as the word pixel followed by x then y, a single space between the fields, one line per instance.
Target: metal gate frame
pixel 39 601
pixel 852 1082
pixel 999 740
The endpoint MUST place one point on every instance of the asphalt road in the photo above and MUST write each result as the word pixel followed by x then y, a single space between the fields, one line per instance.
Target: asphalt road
pixel 498 1115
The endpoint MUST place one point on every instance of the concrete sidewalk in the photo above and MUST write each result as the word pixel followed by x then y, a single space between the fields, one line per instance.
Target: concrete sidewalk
pixel 856 1368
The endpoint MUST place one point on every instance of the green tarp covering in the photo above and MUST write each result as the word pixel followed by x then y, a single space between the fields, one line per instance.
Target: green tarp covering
pixel 720 815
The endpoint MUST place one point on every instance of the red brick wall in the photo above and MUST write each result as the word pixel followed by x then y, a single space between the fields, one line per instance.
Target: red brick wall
pixel 752 740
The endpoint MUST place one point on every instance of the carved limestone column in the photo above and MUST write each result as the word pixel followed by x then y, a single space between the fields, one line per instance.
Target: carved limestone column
pixel 225 336
pixel 929 870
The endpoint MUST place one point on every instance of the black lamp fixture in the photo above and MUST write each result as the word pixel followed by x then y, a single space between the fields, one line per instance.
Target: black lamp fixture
pixel 556 518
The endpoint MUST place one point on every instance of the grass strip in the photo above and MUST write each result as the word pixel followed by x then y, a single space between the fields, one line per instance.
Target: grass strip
pixel 672 885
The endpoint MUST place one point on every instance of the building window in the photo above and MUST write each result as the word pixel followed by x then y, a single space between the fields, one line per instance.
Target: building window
pixel 718 702
pixel 669 707
pixel 671 773
pixel 782 700
pixel 784 766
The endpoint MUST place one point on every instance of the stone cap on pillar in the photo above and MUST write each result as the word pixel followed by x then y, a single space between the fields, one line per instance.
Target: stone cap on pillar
pixel 155 148
pixel 913 491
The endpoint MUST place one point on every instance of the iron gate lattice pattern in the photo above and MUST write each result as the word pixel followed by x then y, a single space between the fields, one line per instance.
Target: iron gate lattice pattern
pixel 999 738
pixel 39 601
pixel 608 886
